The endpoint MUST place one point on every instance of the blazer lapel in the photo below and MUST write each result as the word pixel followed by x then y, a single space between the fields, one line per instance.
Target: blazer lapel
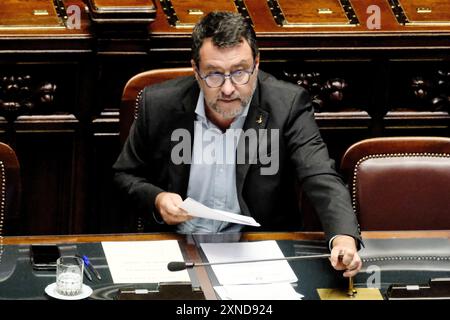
pixel 256 119
pixel 184 119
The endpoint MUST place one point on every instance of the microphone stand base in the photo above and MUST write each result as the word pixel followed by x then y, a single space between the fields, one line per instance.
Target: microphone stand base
pixel 343 294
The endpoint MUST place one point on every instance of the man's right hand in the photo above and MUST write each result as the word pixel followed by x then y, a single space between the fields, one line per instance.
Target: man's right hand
pixel 167 204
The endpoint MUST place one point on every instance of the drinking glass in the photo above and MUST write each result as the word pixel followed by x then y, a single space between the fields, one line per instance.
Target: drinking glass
pixel 69 275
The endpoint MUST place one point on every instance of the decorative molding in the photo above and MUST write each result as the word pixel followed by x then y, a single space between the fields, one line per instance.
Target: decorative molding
pixel 170 13
pixel 61 10
pixel 398 11
pixel 276 12
pixel 432 93
pixel 19 94
pixel 326 95
pixel 127 12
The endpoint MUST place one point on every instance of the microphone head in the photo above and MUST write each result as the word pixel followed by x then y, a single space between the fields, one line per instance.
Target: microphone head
pixel 176 266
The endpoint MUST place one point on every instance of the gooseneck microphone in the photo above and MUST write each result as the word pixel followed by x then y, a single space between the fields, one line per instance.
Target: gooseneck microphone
pixel 181 265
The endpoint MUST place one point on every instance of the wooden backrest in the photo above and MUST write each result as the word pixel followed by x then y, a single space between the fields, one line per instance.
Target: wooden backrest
pixel 10 189
pixel 133 89
pixel 129 107
pixel 400 183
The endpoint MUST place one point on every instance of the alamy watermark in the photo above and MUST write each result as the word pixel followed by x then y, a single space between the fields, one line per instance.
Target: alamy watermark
pixel 374 280
pixel 73 17
pixel 373 22
pixel 235 146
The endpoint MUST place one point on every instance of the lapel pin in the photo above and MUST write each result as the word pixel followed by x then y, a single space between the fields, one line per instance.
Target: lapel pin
pixel 259 120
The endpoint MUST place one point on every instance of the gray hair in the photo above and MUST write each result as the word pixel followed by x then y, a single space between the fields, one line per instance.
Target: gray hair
pixel 226 29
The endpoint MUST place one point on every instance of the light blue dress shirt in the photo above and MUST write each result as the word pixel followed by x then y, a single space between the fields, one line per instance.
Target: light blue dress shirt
pixel 212 177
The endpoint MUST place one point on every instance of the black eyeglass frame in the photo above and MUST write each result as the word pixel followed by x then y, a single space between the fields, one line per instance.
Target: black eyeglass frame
pixel 226 76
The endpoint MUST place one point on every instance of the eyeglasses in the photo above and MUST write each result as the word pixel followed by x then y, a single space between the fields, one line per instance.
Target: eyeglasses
pixel 217 79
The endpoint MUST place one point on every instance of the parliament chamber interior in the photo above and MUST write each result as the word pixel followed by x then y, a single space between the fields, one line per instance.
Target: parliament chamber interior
pixel 72 73
pixel 374 69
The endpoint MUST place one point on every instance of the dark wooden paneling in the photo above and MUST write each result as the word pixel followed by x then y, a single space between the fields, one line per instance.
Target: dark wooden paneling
pixel 47 162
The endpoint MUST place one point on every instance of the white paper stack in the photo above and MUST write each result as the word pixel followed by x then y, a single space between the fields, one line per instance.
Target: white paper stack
pixel 143 261
pixel 251 280
pixel 271 291
pixel 196 209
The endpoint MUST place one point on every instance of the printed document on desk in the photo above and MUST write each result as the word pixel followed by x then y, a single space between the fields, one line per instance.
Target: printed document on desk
pixel 196 209
pixel 143 261
pixel 249 272
pixel 269 291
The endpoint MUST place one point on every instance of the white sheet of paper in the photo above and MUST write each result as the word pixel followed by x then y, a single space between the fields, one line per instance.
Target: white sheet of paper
pixel 196 209
pixel 271 291
pixel 252 272
pixel 143 261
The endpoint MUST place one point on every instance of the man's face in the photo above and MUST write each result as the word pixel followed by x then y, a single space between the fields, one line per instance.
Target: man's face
pixel 229 99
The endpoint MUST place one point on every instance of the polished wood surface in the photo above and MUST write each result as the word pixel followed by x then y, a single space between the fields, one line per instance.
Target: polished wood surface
pixel 109 12
pixel 36 14
pixel 427 12
pixel 248 236
pixel 313 13
pixel 127 3
pixel 35 18
pixel 255 236
pixel 307 12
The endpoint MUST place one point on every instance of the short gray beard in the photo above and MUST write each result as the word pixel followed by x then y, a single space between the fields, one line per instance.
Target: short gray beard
pixel 228 114
pixel 234 113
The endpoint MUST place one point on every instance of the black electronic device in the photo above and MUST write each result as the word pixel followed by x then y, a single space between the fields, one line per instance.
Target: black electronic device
pixel 43 257
pixel 162 291
pixel 436 289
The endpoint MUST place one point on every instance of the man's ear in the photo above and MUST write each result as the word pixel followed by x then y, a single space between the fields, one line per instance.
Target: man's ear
pixel 194 67
pixel 257 62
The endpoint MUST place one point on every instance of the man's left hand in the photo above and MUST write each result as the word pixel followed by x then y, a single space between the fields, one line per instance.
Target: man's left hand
pixel 351 262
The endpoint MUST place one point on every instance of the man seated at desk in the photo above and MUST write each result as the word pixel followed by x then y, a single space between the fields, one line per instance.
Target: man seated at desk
pixel 230 98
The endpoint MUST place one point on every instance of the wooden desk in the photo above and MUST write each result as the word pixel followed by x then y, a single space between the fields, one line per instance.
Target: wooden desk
pixel 249 236
pixel 192 252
